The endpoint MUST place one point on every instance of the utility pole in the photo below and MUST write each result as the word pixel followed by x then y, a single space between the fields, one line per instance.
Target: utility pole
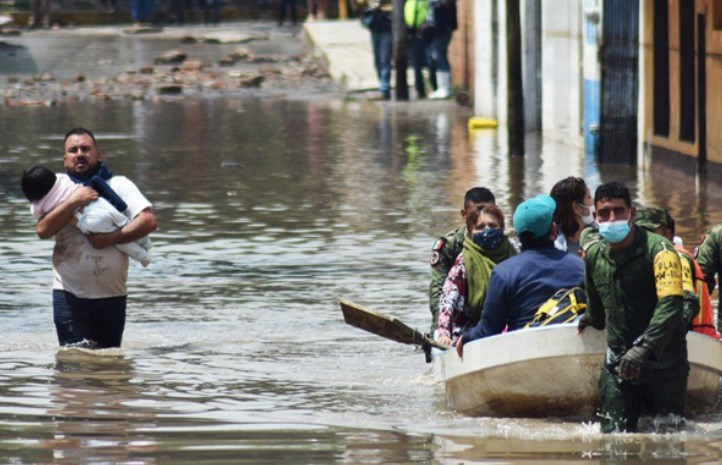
pixel 401 61
pixel 515 90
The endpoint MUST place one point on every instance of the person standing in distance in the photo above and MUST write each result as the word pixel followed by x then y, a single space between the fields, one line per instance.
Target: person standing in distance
pixel 442 19
pixel 376 17
pixel 89 275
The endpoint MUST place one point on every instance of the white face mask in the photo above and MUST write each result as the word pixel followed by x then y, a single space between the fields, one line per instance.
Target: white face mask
pixel 588 220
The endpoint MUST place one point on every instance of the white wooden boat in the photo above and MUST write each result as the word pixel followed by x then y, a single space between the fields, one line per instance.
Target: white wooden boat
pixel 540 372
pixel 552 371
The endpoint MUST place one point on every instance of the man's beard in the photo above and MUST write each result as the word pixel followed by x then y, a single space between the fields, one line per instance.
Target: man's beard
pixel 88 173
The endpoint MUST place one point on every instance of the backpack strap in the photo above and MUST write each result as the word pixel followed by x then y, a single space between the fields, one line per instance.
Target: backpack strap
pixel 564 306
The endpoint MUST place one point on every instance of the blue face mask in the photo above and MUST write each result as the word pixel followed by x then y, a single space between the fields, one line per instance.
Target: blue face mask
pixel 614 231
pixel 490 238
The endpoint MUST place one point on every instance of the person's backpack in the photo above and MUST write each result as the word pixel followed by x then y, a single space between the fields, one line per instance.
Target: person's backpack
pixel 564 306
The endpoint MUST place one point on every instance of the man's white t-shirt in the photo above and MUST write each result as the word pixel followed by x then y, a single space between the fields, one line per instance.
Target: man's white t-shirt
pixel 91 273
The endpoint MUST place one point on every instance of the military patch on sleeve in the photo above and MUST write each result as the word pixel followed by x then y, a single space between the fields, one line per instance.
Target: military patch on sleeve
pixel 668 274
pixel 439 244
pixel 436 250
pixel 695 252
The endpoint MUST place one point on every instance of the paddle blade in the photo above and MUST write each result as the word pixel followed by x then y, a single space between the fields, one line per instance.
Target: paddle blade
pixel 380 324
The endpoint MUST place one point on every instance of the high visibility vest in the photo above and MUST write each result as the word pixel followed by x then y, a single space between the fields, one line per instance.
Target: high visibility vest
pixel 415 13
pixel 704 321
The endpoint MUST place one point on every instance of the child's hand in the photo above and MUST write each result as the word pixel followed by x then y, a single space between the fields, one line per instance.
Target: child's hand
pixel 101 241
pixel 83 196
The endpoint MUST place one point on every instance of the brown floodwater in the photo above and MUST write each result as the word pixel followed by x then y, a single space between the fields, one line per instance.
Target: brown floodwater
pixel 270 210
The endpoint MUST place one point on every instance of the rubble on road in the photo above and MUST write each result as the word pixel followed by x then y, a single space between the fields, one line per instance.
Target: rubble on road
pixel 174 74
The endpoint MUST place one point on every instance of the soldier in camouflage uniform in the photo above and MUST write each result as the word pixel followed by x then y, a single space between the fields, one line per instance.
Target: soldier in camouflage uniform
pixel 448 247
pixel 656 220
pixel 633 280
pixel 709 258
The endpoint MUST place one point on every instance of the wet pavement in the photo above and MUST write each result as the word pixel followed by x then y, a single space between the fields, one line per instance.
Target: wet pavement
pixel 345 47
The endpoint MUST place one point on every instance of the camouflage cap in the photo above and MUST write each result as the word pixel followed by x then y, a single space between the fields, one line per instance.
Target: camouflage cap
pixel 651 218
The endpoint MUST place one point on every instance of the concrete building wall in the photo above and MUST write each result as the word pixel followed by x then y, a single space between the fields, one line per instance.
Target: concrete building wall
pixel 489 60
pixel 714 91
pixel 491 63
pixel 531 62
pixel 561 70
pixel 591 73
pixel 461 49
pixel 552 65
pixel 671 141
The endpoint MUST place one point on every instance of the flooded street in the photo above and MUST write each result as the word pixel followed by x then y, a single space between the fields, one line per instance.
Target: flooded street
pixel 270 210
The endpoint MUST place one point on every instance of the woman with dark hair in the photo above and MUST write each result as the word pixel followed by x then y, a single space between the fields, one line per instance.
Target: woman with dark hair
pixel 574 212
pixel 462 296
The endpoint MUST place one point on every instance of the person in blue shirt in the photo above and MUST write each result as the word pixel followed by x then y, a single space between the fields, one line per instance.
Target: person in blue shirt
pixel 520 285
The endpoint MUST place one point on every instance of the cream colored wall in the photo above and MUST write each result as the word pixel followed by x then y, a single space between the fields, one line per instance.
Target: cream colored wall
pixel 461 49
pixel 714 78
pixel 714 109
pixel 561 67
pixel 645 39
pixel 713 8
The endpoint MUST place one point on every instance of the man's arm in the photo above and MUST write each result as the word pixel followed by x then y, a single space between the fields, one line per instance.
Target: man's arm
pixel 708 256
pixel 669 311
pixel 441 262
pixel 57 218
pixel 140 226
pixel 689 284
pixel 594 315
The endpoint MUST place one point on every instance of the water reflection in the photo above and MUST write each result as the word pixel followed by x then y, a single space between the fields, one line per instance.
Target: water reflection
pixel 621 449
pixel 693 197
pixel 270 210
pixel 92 395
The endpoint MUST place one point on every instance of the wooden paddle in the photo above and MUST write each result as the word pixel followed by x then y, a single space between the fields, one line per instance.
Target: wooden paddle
pixel 384 326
